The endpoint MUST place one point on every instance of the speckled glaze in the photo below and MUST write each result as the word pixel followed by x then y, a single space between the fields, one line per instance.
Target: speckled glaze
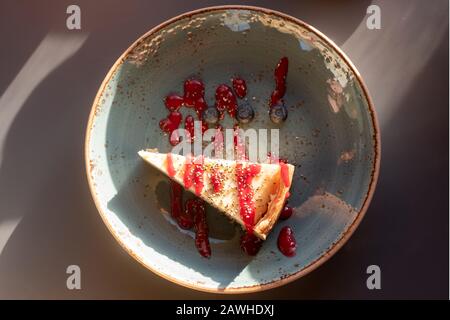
pixel 331 136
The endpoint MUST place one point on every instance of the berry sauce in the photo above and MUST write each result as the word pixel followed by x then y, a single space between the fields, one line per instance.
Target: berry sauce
pixel 189 126
pixel 186 219
pixel 176 199
pixel 200 106
pixel 173 102
pixel 240 87
pixel 169 163
pixel 194 90
pixel 250 244
pixel 284 171
pixel 188 172
pixel 170 124
pixel 201 229
pixel 183 218
pixel 226 100
pixel 216 179
pixel 286 242
pixel 193 97
pixel 280 74
pixel 198 175
pixel 244 176
pixel 193 174
pixel 286 213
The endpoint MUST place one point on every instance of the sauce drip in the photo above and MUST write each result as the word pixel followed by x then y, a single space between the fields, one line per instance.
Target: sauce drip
pixel 250 244
pixel 286 213
pixel 176 200
pixel 244 176
pixel 201 228
pixel 173 102
pixel 226 100
pixel 193 90
pixel 169 163
pixel 188 172
pixel 286 242
pixel 284 172
pixel 170 124
pixel 193 174
pixel 183 218
pixel 194 96
pixel 280 74
pixel 198 175
pixel 216 179
pixel 240 87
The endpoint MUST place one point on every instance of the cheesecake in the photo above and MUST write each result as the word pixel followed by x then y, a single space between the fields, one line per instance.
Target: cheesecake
pixel 251 194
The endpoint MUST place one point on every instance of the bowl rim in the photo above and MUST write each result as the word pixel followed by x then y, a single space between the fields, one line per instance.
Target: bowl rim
pixel 344 236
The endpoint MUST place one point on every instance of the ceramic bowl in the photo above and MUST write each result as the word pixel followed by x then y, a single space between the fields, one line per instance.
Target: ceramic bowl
pixel 331 136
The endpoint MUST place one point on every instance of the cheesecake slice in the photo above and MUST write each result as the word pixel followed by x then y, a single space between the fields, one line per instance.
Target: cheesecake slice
pixel 251 194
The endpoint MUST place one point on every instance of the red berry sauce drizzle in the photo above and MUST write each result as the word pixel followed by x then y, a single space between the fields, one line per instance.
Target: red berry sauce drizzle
pixel 193 97
pixel 170 124
pixel 225 100
pixel 184 220
pixel 280 74
pixel 240 87
pixel 216 180
pixel 284 171
pixel 245 173
pixel 194 214
pixel 196 208
pixel 169 163
pixel 198 175
pixel 193 174
pixel 201 229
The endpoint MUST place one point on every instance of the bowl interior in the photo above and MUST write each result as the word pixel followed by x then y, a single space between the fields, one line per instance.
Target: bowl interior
pixel 329 136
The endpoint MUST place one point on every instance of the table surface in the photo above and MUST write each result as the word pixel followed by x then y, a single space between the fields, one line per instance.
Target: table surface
pixel 50 75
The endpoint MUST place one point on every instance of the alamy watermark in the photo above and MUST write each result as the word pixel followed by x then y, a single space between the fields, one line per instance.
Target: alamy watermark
pixel 374 280
pixel 73 281
pixel 232 144
pixel 73 21
pixel 373 21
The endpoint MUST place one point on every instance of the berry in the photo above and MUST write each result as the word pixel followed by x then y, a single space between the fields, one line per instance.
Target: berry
pixel 211 115
pixel 245 113
pixel 278 113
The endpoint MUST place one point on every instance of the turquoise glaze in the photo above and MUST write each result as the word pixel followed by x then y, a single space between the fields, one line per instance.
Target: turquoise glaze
pixel 330 136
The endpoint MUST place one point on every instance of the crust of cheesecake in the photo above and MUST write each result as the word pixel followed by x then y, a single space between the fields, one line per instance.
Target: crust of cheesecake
pixel 270 195
pixel 265 224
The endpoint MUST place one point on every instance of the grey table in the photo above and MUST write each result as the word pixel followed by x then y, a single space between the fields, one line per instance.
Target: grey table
pixel 48 79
